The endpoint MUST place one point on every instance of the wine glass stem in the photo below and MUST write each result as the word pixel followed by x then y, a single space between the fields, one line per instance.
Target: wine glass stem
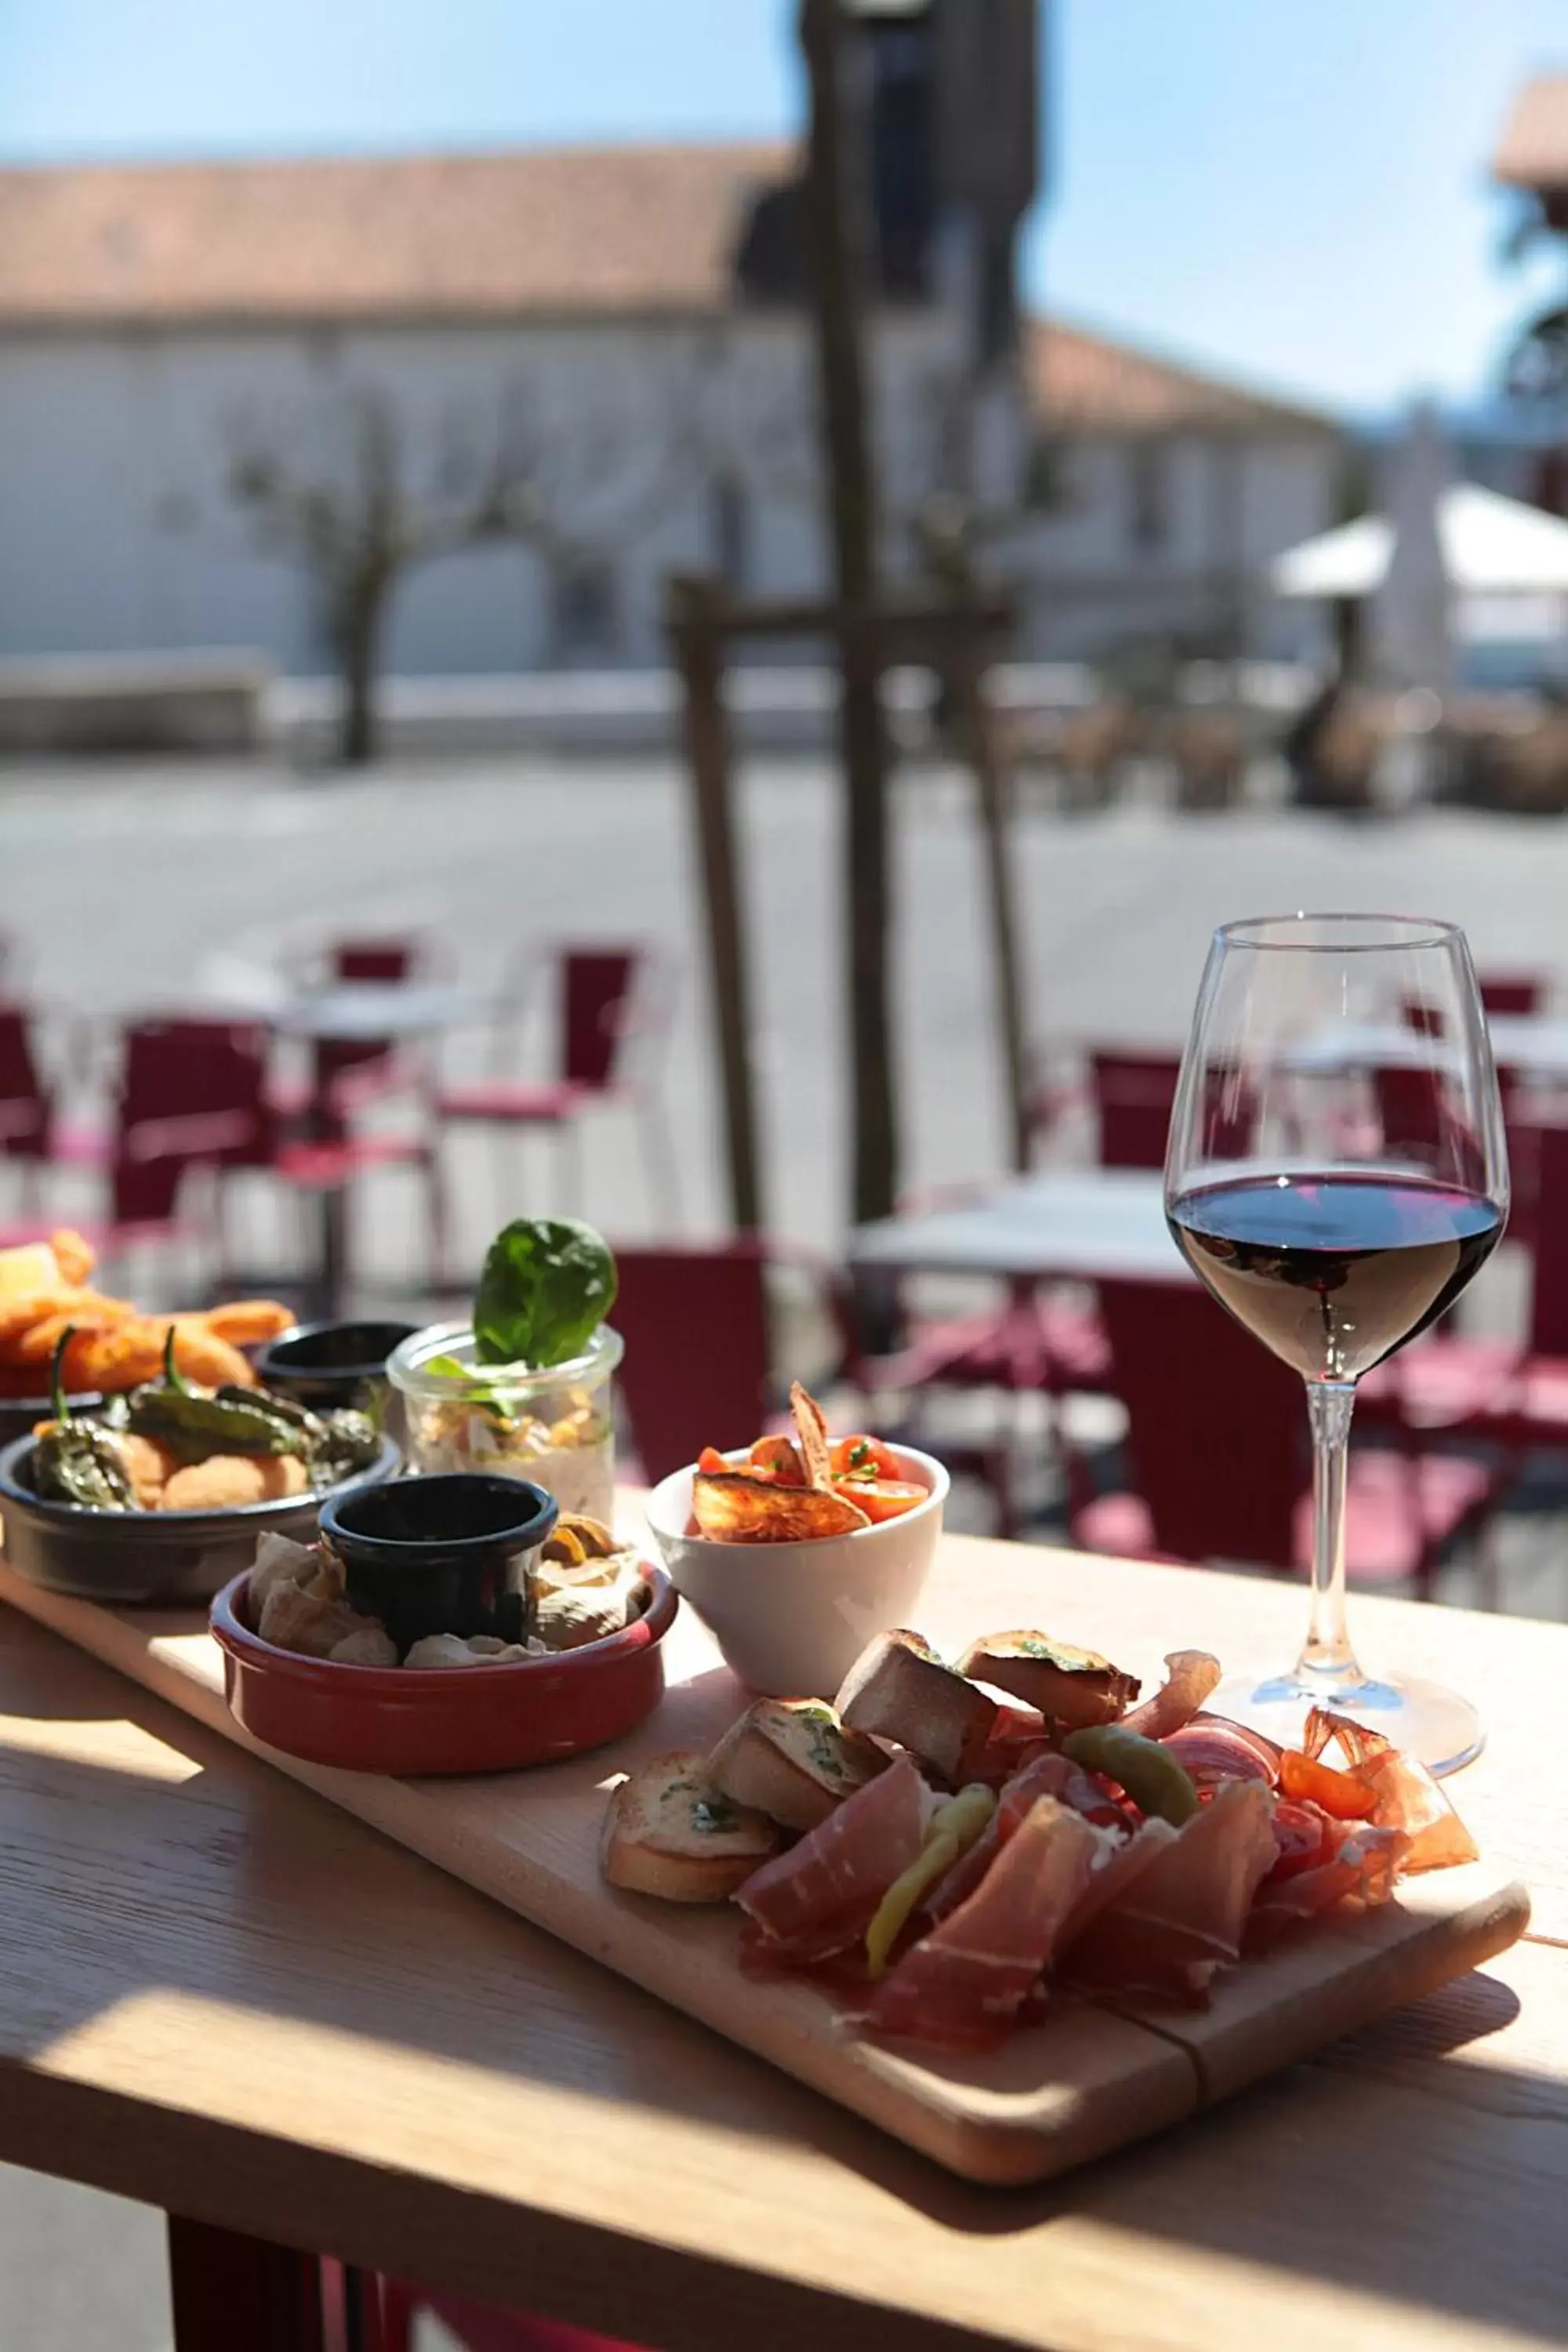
pixel 1327 1656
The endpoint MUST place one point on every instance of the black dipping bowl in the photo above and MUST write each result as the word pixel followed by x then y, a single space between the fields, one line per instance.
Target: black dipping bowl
pixel 441 1555
pixel 19 1416
pixel 323 1364
pixel 132 1555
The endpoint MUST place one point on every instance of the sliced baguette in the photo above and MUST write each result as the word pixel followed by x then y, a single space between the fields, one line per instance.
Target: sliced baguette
pixel 668 1832
pixel 1078 1687
pixel 899 1689
pixel 793 1761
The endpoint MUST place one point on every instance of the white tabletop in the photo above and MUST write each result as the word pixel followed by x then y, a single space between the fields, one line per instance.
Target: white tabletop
pixel 1521 1042
pixel 357 1011
pixel 1085 1225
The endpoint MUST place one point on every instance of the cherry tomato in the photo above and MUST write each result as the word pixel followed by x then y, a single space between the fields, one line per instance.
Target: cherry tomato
pixel 1337 1792
pixel 856 1458
pixel 1304 1836
pixel 882 1498
pixel 776 1457
pixel 711 1461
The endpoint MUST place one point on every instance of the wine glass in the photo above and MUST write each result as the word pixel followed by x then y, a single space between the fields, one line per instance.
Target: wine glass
pixel 1336 1174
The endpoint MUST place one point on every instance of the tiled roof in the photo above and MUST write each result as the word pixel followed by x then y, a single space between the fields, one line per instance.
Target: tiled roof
pixel 1087 382
pixel 1533 150
pixel 577 230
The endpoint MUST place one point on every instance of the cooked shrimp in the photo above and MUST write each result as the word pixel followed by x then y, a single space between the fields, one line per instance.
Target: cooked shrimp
pixel 74 1254
pixel 246 1322
pixel 37 1344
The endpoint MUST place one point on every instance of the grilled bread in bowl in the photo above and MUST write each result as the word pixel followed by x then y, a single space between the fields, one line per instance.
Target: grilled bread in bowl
pixel 792 1618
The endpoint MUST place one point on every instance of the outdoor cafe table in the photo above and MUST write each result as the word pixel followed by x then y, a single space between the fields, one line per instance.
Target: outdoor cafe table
pixel 358 1012
pixel 1522 1043
pixel 221 1996
pixel 1078 1224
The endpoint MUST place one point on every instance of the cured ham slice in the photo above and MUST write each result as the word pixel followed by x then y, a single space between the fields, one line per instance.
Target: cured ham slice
pixel 1365 1868
pixel 963 1986
pixel 1049 1774
pixel 1182 1917
pixel 820 1897
pixel 1115 1868
pixel 1407 1797
pixel 1190 1675
pixel 1210 1749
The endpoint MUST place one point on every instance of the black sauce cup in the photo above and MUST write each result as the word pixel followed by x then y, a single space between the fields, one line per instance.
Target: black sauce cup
pixel 441 1555
pixel 326 1364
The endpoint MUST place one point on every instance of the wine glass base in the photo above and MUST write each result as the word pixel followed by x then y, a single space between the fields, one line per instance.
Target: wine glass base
pixel 1423 1719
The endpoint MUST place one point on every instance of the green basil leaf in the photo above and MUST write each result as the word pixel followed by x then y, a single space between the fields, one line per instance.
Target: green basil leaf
pixel 548 1284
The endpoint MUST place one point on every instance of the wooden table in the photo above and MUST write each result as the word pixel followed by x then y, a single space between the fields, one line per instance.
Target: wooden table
pixel 220 1995
pixel 1069 1225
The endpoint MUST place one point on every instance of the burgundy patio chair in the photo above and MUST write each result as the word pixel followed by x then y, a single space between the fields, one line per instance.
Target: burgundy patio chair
pixel 27 1101
pixel 1518 994
pixel 1216 1446
pixel 697 1324
pixel 1133 1094
pixel 193 1096
pixel 1530 1408
pixel 478 2327
pixel 611 1009
pixel 348 1074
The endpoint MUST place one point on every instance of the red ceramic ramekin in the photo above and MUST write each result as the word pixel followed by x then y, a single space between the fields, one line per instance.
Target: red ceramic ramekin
pixel 447 1720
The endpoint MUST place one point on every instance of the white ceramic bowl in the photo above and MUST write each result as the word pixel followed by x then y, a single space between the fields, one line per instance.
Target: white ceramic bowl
pixel 792 1618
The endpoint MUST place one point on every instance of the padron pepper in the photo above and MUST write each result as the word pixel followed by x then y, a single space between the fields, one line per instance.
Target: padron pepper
pixel 196 1423
pixel 78 1461
pixel 1150 1775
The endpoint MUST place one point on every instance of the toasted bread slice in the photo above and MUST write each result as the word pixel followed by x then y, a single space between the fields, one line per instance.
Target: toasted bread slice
pixel 1078 1687
pixel 793 1761
pixel 899 1689
pixel 668 1832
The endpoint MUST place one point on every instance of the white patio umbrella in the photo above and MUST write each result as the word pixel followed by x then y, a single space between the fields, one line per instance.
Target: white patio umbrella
pixel 1411 637
pixel 1491 546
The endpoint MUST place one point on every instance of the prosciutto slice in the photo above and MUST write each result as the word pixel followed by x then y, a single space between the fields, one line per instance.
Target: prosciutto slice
pixel 1182 1917
pixel 1365 1868
pixel 1190 1675
pixel 1049 1774
pixel 963 1986
pixel 820 1895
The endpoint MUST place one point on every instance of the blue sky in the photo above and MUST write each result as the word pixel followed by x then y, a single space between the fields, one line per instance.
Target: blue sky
pixel 1296 192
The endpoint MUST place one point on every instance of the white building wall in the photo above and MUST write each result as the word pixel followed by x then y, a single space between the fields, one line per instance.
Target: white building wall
pixel 117 532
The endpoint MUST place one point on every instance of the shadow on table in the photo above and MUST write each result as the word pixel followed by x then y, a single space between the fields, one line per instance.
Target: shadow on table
pixel 1331 2171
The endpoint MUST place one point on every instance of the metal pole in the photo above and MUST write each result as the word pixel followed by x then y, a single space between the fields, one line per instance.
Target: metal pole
pixel 696 629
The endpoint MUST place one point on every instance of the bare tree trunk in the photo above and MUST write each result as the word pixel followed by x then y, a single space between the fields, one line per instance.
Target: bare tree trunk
pixel 836 243
pixel 358 638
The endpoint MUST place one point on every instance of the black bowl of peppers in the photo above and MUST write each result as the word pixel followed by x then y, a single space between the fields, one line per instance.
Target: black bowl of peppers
pixel 82 1514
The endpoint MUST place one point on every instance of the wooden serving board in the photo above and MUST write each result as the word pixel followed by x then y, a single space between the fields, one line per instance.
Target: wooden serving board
pixel 1083 2083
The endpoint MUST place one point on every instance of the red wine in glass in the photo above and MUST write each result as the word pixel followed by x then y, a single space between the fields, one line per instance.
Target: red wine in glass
pixel 1337 1172
pixel 1334 1271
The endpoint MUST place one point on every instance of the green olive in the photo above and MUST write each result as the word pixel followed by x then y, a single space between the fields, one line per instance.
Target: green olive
pixel 1151 1775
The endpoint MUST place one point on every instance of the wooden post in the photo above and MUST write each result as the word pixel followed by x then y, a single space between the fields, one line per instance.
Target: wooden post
pixel 992 806
pixel 696 625
pixel 834 216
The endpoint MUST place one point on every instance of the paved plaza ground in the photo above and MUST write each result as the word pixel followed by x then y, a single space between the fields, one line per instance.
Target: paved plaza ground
pixel 128 889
